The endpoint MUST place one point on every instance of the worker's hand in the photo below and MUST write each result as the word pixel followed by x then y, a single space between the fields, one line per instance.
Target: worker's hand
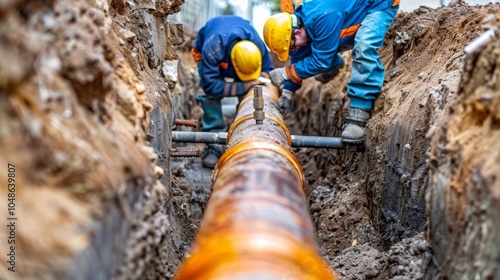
pixel 285 101
pixel 278 76
pixel 250 84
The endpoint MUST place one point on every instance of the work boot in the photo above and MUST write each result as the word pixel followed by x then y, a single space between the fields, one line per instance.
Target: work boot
pixel 353 131
pixel 213 118
pixel 211 155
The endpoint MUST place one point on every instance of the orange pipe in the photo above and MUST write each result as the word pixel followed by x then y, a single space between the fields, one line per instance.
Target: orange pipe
pixel 257 223
pixel 191 123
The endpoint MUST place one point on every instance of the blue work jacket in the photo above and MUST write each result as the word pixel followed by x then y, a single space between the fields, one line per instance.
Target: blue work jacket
pixel 331 26
pixel 212 49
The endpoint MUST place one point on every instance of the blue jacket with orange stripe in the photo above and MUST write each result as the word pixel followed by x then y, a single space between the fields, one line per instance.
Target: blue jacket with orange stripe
pixel 330 25
pixel 212 49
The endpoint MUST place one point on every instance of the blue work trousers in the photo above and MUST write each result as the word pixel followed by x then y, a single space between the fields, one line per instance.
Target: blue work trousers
pixel 367 69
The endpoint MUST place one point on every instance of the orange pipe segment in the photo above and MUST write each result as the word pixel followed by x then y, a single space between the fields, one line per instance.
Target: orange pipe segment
pixel 250 117
pixel 257 223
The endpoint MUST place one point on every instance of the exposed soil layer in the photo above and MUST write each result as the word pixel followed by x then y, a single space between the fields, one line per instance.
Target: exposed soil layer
pixel 84 108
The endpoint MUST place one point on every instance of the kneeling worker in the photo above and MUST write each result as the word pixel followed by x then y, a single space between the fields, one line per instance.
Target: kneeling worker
pixel 314 35
pixel 231 57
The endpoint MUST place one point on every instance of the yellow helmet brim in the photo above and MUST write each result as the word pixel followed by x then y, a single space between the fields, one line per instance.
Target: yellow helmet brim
pixel 278 34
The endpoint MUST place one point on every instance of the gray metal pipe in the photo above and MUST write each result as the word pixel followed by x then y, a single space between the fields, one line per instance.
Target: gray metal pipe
pixel 221 137
pixel 199 137
pixel 317 142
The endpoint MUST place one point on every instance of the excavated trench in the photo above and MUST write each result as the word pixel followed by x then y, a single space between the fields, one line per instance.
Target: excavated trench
pixel 371 210
pixel 86 114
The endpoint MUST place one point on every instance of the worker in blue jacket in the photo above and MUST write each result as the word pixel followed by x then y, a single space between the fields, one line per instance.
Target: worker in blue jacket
pixel 231 57
pixel 314 35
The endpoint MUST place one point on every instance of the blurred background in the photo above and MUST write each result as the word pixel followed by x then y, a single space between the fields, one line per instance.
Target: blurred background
pixel 195 13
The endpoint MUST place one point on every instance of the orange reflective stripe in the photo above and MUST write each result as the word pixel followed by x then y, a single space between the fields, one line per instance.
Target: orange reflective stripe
pixel 230 89
pixel 396 2
pixel 290 71
pixel 224 65
pixel 196 55
pixel 226 89
pixel 349 31
pixel 233 91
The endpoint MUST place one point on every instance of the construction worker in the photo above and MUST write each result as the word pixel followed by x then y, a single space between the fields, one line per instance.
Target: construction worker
pixel 314 35
pixel 231 57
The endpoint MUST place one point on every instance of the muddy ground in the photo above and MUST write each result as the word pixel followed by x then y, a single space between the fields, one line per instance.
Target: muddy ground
pixel 88 94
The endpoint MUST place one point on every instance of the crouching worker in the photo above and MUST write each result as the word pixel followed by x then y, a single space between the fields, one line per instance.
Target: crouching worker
pixel 314 35
pixel 231 57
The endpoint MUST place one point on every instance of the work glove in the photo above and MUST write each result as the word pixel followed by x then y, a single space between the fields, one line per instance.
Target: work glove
pixel 285 101
pixel 278 76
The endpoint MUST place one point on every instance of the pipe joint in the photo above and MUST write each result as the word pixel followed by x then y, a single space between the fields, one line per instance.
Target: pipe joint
pixel 258 106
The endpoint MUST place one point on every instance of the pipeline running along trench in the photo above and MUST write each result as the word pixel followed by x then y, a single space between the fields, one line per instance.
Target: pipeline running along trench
pixel 257 222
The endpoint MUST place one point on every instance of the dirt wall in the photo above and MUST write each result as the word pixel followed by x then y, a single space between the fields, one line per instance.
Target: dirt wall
pixel 86 109
pixel 463 201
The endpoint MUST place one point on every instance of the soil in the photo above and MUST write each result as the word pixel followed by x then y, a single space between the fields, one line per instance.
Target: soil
pixel 88 94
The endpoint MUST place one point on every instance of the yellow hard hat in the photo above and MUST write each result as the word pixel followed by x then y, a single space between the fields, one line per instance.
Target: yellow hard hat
pixel 247 60
pixel 278 33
